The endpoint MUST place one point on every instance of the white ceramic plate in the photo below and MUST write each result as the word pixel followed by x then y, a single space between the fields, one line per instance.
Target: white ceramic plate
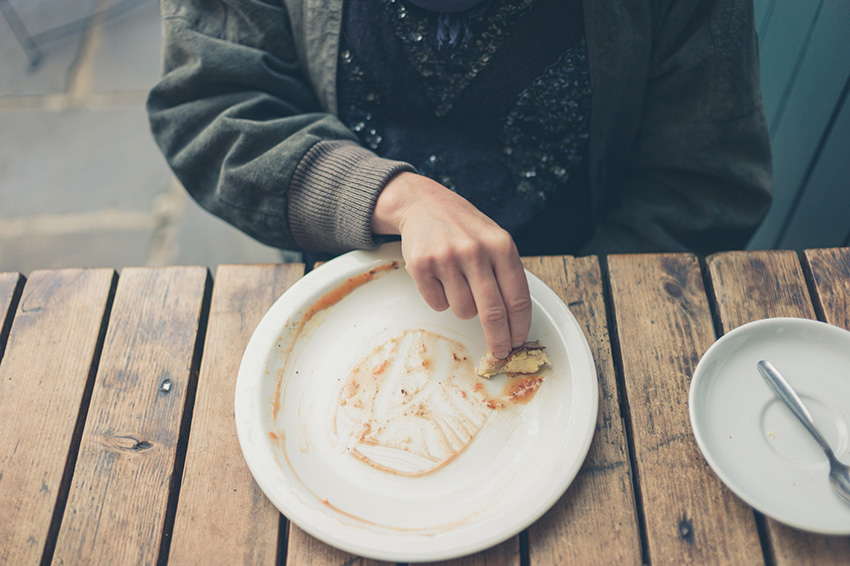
pixel 517 460
pixel 751 439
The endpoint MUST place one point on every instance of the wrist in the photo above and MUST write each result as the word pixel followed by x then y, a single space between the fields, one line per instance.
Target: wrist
pixel 393 200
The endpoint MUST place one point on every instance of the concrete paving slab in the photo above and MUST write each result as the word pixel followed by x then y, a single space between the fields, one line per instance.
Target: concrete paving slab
pixel 128 58
pixel 58 29
pixel 204 239
pixel 109 248
pixel 78 160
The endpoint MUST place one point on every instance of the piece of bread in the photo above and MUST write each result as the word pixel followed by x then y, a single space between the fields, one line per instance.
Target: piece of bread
pixel 528 358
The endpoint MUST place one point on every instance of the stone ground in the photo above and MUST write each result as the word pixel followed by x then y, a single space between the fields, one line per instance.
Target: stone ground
pixel 82 183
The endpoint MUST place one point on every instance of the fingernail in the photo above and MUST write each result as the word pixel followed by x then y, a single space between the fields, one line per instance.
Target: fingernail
pixel 517 345
pixel 501 355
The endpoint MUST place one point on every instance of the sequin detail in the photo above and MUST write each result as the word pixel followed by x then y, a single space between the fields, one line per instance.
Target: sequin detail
pixel 435 168
pixel 509 158
pixel 360 100
pixel 449 67
pixel 545 134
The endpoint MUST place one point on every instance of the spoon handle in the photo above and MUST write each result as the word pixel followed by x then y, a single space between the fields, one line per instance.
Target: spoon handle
pixel 781 387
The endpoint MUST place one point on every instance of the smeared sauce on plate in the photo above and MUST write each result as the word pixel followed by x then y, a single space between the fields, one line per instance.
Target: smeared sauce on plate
pixel 409 407
pixel 328 300
pixel 279 440
pixel 414 403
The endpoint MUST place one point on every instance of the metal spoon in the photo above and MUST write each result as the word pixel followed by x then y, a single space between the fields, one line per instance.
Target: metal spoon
pixel 839 473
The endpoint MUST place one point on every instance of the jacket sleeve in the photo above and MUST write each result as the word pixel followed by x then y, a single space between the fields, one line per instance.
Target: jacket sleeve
pixel 242 130
pixel 698 175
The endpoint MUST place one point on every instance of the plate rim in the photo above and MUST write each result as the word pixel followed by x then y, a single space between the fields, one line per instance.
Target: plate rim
pixel 699 375
pixel 250 429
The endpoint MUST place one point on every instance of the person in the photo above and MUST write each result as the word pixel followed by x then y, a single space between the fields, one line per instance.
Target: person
pixel 476 130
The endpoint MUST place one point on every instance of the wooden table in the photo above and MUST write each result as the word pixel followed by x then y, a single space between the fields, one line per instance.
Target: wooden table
pixel 118 443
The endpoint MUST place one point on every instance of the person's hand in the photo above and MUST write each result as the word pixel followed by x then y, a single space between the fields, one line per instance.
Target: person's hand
pixel 458 257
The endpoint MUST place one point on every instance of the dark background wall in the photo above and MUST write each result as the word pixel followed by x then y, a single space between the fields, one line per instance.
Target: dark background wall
pixel 805 74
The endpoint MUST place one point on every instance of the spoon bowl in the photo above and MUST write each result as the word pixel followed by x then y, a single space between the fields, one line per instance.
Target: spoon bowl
pixel 839 473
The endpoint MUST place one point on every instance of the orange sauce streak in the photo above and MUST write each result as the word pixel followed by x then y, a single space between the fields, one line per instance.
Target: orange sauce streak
pixel 522 389
pixel 441 528
pixel 339 292
pixel 280 439
pixel 333 507
pixel 330 298
pixel 276 400
pixel 378 466
pixel 380 369
pixel 518 390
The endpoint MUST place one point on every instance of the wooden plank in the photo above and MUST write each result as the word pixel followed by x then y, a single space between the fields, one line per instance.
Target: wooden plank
pixel 304 550
pixel 791 547
pixel 754 285
pixel 830 271
pixel 117 504
pixel 44 381
pixel 222 515
pixel 595 522
pixel 663 326
pixel 505 554
pixel 806 113
pixel 11 285
pixel 757 285
pixel 821 218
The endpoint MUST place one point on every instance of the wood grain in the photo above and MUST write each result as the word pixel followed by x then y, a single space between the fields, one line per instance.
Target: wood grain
pixel 44 382
pixel 830 271
pixel 595 522
pixel 755 285
pixel 663 326
pixel 119 495
pixel 222 516
pixel 305 550
pixel 792 547
pixel 11 285
pixel 504 554
pixel 749 286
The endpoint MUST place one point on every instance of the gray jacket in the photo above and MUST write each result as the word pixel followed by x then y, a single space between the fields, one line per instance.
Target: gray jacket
pixel 679 152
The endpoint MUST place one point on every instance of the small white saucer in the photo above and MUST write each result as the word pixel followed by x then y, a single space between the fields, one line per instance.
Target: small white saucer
pixel 753 441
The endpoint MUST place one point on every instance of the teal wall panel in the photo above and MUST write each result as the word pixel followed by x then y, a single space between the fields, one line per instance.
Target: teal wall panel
pixel 782 47
pixel 761 9
pixel 822 216
pixel 805 107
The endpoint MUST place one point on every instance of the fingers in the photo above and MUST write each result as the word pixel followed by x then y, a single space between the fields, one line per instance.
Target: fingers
pixel 513 284
pixel 432 291
pixel 458 257
pixel 492 312
pixel 503 302
pixel 482 279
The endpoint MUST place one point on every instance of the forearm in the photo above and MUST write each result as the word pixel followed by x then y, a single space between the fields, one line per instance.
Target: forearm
pixel 333 196
pixel 244 134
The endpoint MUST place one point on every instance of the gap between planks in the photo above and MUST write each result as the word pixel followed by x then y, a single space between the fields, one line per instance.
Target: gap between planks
pixel 767 284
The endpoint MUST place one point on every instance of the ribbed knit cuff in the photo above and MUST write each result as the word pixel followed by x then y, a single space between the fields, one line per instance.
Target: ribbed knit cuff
pixel 333 194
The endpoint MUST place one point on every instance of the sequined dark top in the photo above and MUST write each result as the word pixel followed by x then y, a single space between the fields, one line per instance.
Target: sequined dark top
pixel 493 103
